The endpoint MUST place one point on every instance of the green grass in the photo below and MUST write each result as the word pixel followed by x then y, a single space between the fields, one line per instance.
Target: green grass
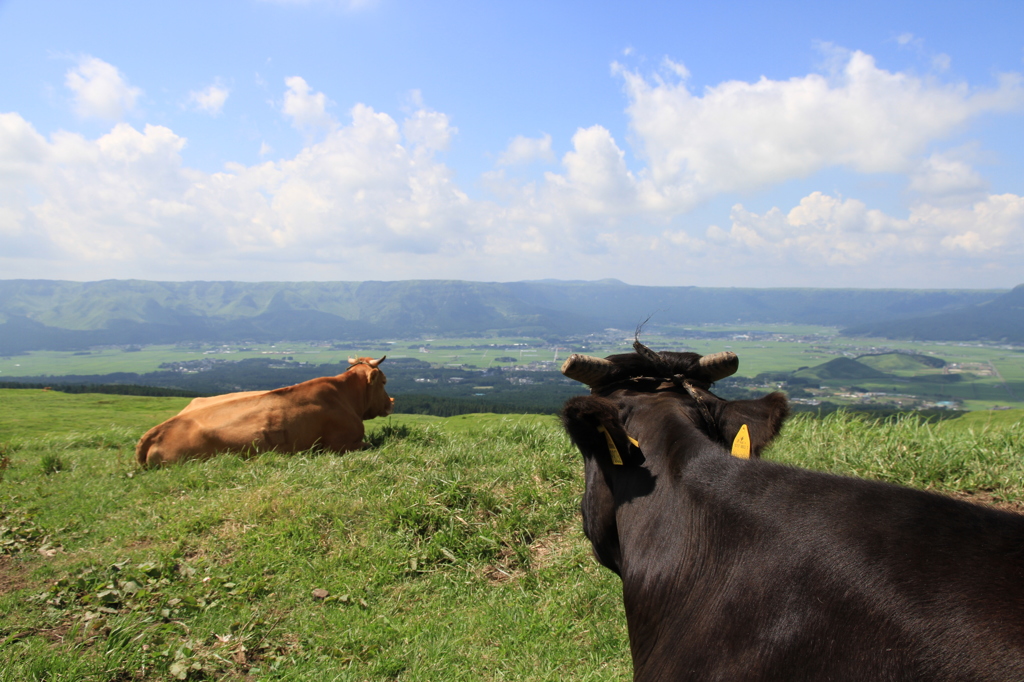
pixel 975 457
pixel 30 413
pixel 450 550
pixel 446 553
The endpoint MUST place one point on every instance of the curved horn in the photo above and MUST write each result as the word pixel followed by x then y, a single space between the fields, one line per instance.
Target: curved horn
pixel 586 369
pixel 366 361
pixel 719 365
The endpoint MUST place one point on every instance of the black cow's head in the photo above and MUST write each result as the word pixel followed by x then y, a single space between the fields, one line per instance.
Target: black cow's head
pixel 648 417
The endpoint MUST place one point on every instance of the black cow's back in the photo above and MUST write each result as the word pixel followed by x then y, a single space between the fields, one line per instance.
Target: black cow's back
pixel 783 574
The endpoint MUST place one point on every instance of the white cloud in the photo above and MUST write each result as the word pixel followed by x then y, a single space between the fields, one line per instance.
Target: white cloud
pixel 306 109
pixel 22 149
pixel 590 196
pixel 945 179
pixel 100 89
pixel 739 136
pixel 20 145
pixel 939 62
pixel 127 197
pixel 429 130
pixel 596 180
pixel 994 225
pixel 906 39
pixel 210 99
pixel 821 229
pixel 523 150
pixel 844 235
pixel 370 198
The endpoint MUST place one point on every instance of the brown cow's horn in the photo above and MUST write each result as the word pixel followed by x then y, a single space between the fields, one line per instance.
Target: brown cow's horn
pixel 719 365
pixel 586 369
pixel 374 363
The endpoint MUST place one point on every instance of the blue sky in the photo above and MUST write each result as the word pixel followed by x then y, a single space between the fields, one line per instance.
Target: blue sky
pixel 876 144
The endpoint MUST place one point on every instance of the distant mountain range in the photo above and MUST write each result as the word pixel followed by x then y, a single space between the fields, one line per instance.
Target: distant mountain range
pixel 59 315
pixel 1000 319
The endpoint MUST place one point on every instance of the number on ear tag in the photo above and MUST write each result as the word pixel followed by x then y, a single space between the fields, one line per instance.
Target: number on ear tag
pixel 741 444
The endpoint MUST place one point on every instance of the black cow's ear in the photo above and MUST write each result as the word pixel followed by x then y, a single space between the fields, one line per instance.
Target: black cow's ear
pixel 590 422
pixel 763 418
pixel 593 424
pixel 583 418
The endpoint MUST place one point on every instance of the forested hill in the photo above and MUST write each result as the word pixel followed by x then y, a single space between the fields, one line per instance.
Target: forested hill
pixel 59 315
pixel 1000 319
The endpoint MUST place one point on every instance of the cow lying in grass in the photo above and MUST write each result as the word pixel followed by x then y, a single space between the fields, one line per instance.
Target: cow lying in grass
pixel 327 412
pixel 740 569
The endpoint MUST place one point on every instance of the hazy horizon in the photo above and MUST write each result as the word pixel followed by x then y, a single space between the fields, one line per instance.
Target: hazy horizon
pixel 553 280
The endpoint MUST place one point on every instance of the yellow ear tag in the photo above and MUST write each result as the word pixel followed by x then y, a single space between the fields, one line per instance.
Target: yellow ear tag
pixel 612 450
pixel 741 444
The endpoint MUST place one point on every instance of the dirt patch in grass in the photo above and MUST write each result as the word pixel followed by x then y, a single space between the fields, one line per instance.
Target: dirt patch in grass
pixel 56 634
pixel 544 551
pixel 502 570
pixel 13 574
pixel 987 499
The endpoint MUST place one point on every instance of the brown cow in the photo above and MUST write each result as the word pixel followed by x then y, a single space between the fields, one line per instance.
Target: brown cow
pixel 215 399
pixel 326 412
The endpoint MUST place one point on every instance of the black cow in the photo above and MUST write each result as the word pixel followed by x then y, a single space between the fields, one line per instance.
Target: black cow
pixel 741 569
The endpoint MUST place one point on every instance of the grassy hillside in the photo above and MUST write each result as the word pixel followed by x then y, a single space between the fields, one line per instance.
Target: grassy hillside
pixel 451 550
pixel 31 413
pixel 841 369
pixel 901 362
pixel 445 553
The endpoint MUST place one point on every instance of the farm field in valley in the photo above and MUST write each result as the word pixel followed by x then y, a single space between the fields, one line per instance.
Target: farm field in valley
pixel 971 376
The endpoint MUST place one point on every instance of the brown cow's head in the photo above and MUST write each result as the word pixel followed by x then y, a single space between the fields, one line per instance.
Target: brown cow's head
pixel 649 416
pixel 378 402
